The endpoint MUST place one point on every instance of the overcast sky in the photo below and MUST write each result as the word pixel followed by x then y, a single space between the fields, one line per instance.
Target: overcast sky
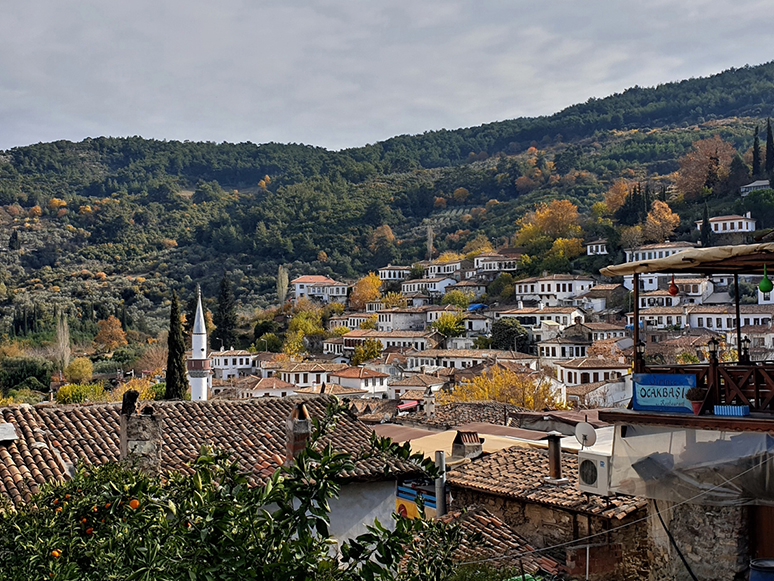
pixel 343 73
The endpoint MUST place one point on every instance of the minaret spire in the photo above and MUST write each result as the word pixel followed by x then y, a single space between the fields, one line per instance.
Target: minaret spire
pixel 199 369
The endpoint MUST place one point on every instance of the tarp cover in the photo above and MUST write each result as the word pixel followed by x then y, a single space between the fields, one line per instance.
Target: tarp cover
pixel 742 259
pixel 697 466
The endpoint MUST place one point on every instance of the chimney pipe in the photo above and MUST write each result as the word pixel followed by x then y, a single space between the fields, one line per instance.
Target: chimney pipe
pixel 299 426
pixel 555 458
pixel 440 484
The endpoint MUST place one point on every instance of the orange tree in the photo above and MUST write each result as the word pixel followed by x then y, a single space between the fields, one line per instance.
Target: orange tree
pixel 111 522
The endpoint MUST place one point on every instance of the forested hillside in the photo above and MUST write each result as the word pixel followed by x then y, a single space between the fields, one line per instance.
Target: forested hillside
pixel 112 225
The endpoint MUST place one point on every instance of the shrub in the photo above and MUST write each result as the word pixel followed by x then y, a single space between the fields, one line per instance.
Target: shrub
pixel 79 393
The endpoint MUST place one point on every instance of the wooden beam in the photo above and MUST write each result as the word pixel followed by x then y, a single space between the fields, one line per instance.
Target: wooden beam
pixel 720 423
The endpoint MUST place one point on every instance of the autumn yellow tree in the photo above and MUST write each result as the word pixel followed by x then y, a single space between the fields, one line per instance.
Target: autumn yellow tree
pixel 381 237
pixel 567 248
pixel 110 334
pixel 370 322
pixel 364 291
pixel 393 299
pixel 460 195
pixel 449 256
pixel 506 386
pixel 631 237
pixel 705 166
pixel 479 245
pixel 559 219
pixel 616 195
pixel 661 222
pixel 80 370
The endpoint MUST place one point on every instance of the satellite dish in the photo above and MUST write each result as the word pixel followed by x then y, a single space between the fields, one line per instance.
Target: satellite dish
pixel 585 434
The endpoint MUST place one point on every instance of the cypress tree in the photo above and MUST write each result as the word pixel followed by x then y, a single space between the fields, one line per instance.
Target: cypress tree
pixel 756 153
pixel 225 318
pixel 13 242
pixel 706 229
pixel 177 382
pixel 769 149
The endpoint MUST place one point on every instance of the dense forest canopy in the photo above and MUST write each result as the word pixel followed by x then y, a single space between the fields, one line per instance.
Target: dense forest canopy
pixel 113 225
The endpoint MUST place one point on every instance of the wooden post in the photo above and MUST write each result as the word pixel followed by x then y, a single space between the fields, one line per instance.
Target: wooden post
pixel 638 364
pixel 738 321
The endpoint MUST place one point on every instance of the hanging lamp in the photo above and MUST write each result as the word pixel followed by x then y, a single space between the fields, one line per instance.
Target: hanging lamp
pixel 673 290
pixel 765 285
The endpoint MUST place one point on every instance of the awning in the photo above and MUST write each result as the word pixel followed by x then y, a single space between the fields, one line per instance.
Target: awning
pixel 742 259
pixel 410 405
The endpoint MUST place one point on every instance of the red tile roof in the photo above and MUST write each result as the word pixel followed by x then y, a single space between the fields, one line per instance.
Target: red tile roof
pixel 499 542
pixel 520 473
pixel 53 438
pixel 358 373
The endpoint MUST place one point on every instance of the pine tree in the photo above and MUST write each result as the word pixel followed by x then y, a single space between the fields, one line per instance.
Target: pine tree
pixel 177 382
pixel 225 318
pixel 756 153
pixel 706 229
pixel 769 149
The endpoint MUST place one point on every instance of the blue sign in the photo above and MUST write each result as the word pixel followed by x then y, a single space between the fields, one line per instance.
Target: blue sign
pixel 654 392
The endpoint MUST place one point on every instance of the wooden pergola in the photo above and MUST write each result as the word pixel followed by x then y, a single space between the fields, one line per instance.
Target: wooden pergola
pixel 748 383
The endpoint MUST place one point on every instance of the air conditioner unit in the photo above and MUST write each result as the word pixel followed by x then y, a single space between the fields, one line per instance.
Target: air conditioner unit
pixel 593 473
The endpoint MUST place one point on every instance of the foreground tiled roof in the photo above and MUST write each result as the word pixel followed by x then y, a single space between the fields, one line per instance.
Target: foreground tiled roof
pixel 499 542
pixel 30 460
pixel 53 438
pixel 519 473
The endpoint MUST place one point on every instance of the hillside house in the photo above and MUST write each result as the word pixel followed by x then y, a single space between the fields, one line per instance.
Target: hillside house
pixel 601 297
pixel 465 358
pixel 756 185
pixel 552 290
pixel 546 507
pixel 367 380
pixel 419 382
pixel 429 286
pixel 652 282
pixel 320 288
pixel 232 363
pixel 597 247
pixel 477 289
pixel 590 370
pixel 532 318
pixel 489 265
pixel 392 273
pixel 303 374
pixel 452 268
pixel 602 394
pixel 418 340
pixel 397 319
pixel 254 386
pixel 730 224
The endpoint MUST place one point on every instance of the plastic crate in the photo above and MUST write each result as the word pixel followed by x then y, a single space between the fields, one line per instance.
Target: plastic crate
pixel 732 410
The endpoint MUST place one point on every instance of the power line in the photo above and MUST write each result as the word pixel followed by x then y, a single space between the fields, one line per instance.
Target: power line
pixel 634 522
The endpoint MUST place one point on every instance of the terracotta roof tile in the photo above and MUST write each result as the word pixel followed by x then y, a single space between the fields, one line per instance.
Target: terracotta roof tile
pixel 54 437
pixel 520 473
pixel 455 414
pixel 498 541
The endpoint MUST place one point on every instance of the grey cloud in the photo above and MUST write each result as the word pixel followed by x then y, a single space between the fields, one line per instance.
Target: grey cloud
pixel 342 74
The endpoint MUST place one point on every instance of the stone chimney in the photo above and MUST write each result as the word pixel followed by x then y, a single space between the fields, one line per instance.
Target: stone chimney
pixel 467 445
pixel 520 304
pixel 141 435
pixel 555 459
pixel 299 426
pixel 428 400
pixel 541 305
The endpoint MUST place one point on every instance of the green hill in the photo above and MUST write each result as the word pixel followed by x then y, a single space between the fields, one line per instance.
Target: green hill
pixel 111 225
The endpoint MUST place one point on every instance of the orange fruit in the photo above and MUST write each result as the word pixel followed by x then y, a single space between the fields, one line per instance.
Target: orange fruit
pixel 58 509
pixel 107 505
pixel 89 530
pixel 134 504
pixel 83 520
pixel 56 554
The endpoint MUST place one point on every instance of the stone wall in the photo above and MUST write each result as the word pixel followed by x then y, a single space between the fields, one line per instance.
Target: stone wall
pixel 714 541
pixel 613 555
